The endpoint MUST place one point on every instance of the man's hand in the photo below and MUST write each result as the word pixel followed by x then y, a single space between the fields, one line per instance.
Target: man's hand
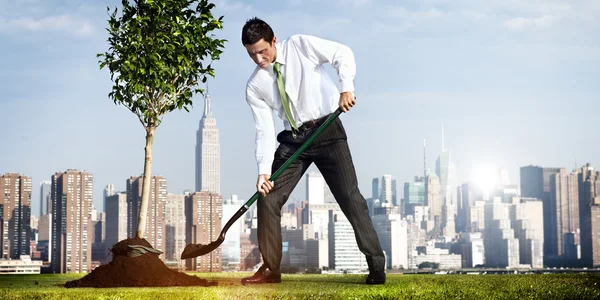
pixel 263 185
pixel 347 100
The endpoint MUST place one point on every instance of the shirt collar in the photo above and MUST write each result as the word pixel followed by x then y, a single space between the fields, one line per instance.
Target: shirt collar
pixel 279 58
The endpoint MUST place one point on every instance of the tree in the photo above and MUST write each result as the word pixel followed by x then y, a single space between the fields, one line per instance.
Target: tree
pixel 156 59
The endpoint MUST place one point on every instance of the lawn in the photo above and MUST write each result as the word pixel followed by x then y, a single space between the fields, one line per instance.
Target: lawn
pixel 398 286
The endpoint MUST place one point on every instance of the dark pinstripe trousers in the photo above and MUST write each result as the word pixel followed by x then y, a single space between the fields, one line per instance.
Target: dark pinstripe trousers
pixel 331 155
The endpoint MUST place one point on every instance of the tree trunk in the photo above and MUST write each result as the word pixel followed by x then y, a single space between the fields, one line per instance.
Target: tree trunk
pixel 146 183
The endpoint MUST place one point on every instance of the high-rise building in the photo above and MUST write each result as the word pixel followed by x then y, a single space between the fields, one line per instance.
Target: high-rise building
pixel 319 218
pixel 45 237
pixel 535 183
pixel 175 228
pixel 203 215
pixel 589 206
pixel 394 193
pixel 386 189
pixel 98 236
pixel 416 235
pixel 116 219
pixel 414 195
pixel 393 235
pixel 434 201
pixel 315 188
pixel 476 217
pixel 109 190
pixel 375 188
pixel 344 254
pixel 564 205
pixel 470 247
pixel 15 215
pixel 294 246
pixel 45 198
pixel 155 222
pixel 469 194
pixel 231 245
pixel 500 245
pixel 208 157
pixel 448 224
pixel 72 197
pixel 446 171
pixel 528 222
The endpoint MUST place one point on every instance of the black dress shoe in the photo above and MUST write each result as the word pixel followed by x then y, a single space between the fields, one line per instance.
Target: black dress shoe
pixel 376 277
pixel 263 276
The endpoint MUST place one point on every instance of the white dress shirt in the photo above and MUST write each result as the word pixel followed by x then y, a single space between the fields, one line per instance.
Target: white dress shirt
pixel 311 91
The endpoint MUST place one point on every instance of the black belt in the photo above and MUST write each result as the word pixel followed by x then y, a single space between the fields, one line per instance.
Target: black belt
pixel 313 123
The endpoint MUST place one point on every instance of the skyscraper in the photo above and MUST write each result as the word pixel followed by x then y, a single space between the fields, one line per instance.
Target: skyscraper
pixel 528 224
pixel 394 193
pixel 501 248
pixel 564 205
pixel 470 194
pixel 109 190
pixel 45 198
pixel 375 188
pixel 231 245
pixel 414 195
pixel 203 214
pixel 155 222
pixel 392 233
pixel 434 201
pixel 589 206
pixel 344 253
pixel 15 214
pixel 386 189
pixel 175 228
pixel 208 164
pixel 72 197
pixel 446 171
pixel 535 183
pixel 116 219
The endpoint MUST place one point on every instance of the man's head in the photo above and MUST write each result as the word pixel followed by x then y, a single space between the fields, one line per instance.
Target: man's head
pixel 259 40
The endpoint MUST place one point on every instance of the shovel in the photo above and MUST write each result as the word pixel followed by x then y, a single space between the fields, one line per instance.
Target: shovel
pixel 194 250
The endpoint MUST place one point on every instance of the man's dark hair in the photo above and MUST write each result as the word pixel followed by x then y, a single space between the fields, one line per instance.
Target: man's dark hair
pixel 256 29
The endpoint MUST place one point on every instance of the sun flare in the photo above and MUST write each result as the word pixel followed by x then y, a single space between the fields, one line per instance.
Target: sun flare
pixel 485 177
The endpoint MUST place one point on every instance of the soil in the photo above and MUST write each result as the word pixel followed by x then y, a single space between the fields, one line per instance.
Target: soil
pixel 146 270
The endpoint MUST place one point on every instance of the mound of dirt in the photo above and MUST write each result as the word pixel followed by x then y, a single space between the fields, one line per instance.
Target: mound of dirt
pixel 146 270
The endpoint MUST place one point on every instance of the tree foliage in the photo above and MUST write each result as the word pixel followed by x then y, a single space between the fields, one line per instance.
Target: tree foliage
pixel 157 55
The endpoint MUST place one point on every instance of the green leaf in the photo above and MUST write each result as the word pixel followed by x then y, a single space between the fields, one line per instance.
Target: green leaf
pixel 151 44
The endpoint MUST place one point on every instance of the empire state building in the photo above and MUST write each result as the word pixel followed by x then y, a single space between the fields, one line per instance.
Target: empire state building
pixel 208 158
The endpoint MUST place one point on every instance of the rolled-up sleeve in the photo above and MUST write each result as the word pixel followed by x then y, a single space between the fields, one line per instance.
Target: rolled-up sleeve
pixel 265 130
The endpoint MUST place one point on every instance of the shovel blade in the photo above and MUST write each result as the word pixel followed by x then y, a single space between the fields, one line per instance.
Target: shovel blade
pixel 195 250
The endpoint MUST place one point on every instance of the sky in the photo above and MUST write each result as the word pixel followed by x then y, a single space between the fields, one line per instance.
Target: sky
pixel 513 82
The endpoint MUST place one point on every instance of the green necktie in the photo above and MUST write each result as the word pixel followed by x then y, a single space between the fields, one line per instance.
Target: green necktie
pixel 284 96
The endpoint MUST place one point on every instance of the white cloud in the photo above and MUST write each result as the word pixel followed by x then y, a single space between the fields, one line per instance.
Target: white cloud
pixel 61 23
pixel 521 23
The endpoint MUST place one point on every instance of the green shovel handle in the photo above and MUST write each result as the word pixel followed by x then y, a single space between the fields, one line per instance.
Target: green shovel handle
pixel 294 156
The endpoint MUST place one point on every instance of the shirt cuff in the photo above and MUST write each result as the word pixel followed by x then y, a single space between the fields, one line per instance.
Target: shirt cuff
pixel 347 86
pixel 264 168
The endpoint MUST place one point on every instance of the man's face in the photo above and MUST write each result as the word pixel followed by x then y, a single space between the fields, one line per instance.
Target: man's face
pixel 262 53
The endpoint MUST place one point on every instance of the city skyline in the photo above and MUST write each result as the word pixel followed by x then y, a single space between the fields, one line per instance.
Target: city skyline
pixel 512 83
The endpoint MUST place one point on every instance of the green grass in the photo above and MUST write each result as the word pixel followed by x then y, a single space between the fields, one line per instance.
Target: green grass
pixel 398 286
